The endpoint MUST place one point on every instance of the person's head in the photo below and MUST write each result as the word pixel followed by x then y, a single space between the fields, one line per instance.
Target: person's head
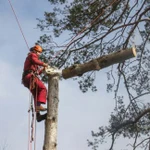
pixel 37 49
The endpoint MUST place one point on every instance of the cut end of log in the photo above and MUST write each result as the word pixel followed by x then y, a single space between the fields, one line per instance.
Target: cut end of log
pixel 134 51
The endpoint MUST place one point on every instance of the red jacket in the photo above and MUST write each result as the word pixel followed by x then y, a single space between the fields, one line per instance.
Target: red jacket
pixel 32 62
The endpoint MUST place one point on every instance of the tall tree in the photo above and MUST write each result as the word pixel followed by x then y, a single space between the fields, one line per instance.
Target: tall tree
pixel 98 27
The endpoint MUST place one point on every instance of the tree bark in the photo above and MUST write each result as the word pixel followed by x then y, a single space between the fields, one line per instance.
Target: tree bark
pixel 99 63
pixel 50 140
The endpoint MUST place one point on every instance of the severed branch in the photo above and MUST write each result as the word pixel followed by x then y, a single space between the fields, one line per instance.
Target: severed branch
pixel 99 63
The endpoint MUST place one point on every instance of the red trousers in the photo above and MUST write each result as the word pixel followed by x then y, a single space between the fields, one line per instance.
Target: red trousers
pixel 39 92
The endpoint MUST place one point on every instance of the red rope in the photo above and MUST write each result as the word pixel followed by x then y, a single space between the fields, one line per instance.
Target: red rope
pixel 35 116
pixel 18 23
pixel 29 144
pixel 30 125
pixel 33 123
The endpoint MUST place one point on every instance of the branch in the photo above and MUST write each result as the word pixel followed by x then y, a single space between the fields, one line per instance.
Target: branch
pixel 99 63
pixel 113 140
pixel 109 31
pixel 142 142
pixel 129 122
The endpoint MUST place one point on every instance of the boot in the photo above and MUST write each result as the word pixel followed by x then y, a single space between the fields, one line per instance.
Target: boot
pixel 40 108
pixel 40 117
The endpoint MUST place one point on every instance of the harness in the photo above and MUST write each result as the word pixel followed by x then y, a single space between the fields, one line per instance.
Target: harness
pixel 33 78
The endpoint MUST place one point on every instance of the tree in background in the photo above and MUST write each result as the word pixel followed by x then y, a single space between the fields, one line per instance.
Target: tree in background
pixel 4 145
pixel 94 28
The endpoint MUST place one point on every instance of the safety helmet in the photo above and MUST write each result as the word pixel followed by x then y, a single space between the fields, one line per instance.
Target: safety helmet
pixel 38 48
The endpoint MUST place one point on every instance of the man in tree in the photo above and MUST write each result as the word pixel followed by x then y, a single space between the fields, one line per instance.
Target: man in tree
pixel 32 82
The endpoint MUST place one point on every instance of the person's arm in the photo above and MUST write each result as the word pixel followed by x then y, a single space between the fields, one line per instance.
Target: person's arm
pixel 41 70
pixel 36 61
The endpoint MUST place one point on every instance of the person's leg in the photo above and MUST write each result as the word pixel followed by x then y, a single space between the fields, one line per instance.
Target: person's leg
pixel 26 82
pixel 40 94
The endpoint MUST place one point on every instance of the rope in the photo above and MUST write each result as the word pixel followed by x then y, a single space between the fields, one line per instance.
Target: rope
pixel 35 132
pixel 35 115
pixel 18 23
pixel 33 122
pixel 29 129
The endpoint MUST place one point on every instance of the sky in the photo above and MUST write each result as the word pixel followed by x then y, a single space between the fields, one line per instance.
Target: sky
pixel 78 113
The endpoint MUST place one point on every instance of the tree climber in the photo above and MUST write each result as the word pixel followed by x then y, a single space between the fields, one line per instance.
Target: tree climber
pixel 32 82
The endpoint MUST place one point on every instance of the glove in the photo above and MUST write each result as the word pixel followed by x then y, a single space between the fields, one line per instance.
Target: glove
pixel 45 65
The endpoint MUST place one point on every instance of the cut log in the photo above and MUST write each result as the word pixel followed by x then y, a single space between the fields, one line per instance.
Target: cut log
pixel 99 63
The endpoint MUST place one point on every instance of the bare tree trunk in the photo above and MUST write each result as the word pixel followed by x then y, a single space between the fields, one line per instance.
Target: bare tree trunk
pixel 99 63
pixel 50 141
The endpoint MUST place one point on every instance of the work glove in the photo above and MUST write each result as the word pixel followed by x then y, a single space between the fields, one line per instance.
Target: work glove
pixel 45 65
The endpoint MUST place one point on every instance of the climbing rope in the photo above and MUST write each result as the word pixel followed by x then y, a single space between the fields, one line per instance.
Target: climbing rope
pixel 35 116
pixel 18 23
pixel 31 123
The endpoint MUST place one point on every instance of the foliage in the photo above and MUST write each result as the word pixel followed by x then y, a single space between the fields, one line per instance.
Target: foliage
pixel 93 28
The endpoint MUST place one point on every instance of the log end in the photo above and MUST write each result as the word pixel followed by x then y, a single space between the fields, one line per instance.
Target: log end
pixel 134 51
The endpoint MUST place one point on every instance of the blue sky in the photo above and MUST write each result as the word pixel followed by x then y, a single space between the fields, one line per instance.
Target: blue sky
pixel 78 113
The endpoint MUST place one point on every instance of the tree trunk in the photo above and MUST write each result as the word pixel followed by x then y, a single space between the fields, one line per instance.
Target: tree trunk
pixel 99 63
pixel 50 141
